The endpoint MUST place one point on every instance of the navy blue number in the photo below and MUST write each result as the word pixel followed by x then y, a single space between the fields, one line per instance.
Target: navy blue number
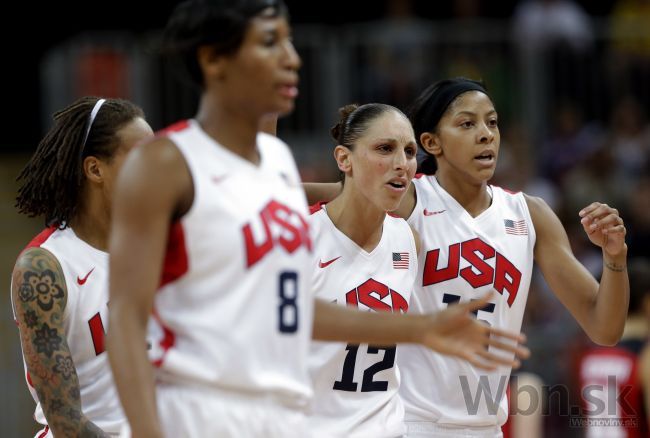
pixel 451 299
pixel 368 384
pixel 387 362
pixel 347 378
pixel 288 308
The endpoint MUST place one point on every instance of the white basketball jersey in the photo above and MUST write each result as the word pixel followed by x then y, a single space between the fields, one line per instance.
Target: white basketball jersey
pixel 355 386
pixel 234 309
pixel 85 321
pixel 462 258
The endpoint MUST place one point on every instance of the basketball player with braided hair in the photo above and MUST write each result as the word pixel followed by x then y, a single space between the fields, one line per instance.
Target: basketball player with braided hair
pixel 59 283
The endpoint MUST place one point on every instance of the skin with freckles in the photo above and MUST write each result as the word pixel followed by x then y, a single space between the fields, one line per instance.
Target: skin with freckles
pixel 376 154
pixel 209 235
pixel 456 125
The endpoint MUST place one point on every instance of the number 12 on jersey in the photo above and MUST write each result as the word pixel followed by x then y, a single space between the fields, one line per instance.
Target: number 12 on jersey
pixel 368 383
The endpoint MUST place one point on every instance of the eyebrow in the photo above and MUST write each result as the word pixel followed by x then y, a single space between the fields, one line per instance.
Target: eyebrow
pixel 270 27
pixel 472 113
pixel 390 140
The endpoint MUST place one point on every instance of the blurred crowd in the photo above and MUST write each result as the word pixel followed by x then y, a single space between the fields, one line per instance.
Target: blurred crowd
pixel 573 95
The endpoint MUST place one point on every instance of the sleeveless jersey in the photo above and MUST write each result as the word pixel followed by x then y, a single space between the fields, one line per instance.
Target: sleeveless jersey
pixel 85 321
pixel 234 311
pixel 612 391
pixel 462 258
pixel 355 386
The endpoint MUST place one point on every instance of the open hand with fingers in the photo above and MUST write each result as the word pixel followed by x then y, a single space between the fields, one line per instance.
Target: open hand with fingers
pixel 604 227
pixel 456 332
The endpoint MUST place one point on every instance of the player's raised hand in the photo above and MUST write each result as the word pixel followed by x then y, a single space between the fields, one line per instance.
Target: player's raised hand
pixel 456 332
pixel 604 227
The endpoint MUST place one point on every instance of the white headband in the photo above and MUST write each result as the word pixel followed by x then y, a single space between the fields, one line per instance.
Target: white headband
pixel 93 114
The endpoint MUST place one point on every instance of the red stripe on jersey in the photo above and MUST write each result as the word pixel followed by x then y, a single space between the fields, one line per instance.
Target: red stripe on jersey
pixel 37 241
pixel 314 208
pixel 41 237
pixel 29 379
pixel 44 432
pixel 176 127
pixel 176 262
pixel 167 342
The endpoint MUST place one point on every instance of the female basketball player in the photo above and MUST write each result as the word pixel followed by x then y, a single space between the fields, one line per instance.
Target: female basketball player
pixel 59 290
pixel 210 239
pixel 478 237
pixel 371 266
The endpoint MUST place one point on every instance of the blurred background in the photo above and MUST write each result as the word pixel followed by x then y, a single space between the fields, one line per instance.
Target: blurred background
pixel 570 80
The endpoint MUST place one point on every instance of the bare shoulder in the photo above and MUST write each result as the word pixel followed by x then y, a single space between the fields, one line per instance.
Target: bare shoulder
pixel 36 255
pixel 536 205
pixel 552 247
pixel 544 218
pixel 156 157
pixel 156 169
pixel 37 260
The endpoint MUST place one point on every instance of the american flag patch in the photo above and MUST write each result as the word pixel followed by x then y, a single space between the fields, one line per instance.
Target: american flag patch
pixel 400 260
pixel 517 228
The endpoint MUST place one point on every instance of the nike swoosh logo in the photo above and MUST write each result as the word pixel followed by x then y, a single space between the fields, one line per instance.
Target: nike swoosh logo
pixel 326 264
pixel 81 281
pixel 432 213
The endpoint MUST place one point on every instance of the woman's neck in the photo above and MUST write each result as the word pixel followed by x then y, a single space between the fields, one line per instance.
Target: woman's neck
pixel 474 197
pixel 92 224
pixel 355 217
pixel 231 129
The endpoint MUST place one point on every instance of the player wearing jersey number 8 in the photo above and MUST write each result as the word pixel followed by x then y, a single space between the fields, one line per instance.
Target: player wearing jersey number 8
pixel 211 252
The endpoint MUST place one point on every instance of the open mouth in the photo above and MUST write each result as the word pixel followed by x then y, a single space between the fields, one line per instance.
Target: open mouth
pixel 289 91
pixel 485 156
pixel 397 183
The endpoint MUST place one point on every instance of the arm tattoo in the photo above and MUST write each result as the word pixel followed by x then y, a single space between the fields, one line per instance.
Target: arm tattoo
pixel 47 340
pixel 39 296
pixel 614 267
pixel 31 319
pixel 40 286
pixel 64 366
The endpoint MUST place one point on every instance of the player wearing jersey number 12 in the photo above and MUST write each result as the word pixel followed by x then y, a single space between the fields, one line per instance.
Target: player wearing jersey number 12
pixel 210 251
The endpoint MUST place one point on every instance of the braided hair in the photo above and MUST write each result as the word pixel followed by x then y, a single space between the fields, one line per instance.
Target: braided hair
pixel 52 179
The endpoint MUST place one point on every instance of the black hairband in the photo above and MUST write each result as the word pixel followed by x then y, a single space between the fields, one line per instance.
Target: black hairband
pixel 444 96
